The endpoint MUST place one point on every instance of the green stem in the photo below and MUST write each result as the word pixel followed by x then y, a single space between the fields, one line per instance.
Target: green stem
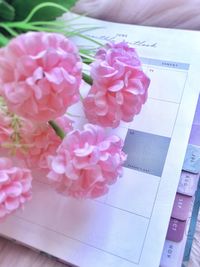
pixel 8 29
pixel 51 23
pixel 57 129
pixel 87 78
pixel 86 58
pixel 43 5
pixel 89 39
pixel 31 26
pixel 25 26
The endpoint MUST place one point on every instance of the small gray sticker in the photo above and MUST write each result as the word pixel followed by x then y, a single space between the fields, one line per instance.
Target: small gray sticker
pixel 146 152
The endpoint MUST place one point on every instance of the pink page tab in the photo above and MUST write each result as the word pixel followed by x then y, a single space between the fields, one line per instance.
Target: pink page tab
pixel 175 230
pixel 181 208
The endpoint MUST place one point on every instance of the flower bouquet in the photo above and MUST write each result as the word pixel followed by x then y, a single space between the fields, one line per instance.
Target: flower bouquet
pixel 41 77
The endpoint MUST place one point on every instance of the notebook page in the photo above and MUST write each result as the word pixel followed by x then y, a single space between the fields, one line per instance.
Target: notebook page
pixel 126 227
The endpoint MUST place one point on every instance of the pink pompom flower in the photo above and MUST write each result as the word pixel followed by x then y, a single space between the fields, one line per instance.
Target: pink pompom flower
pixel 41 141
pixel 15 187
pixel 87 162
pixel 119 86
pixel 65 123
pixel 5 128
pixel 40 75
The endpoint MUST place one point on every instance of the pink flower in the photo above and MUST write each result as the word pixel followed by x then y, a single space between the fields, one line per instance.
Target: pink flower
pixel 15 187
pixel 119 86
pixel 87 162
pixel 5 128
pixel 41 141
pixel 65 123
pixel 40 75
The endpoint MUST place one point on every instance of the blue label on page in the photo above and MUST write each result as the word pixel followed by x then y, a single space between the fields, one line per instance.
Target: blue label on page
pixel 146 152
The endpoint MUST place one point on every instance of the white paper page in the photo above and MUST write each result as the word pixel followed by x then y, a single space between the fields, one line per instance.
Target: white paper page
pixel 127 227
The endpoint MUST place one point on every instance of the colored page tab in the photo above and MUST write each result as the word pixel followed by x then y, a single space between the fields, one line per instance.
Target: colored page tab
pixel 192 159
pixel 188 183
pixel 175 230
pixel 181 208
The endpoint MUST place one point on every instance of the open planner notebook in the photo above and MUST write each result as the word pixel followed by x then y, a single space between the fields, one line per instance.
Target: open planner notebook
pixel 128 226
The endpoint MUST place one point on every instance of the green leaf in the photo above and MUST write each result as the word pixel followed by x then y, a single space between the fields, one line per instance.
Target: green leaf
pixel 23 8
pixel 7 12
